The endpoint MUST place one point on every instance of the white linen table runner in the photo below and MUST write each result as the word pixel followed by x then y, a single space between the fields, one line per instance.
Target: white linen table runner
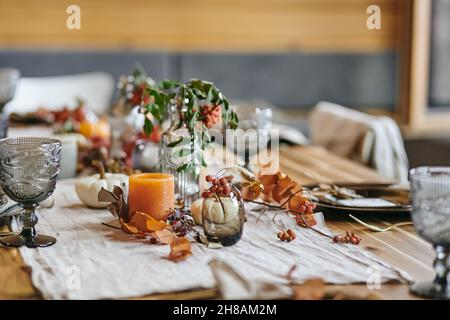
pixel 94 261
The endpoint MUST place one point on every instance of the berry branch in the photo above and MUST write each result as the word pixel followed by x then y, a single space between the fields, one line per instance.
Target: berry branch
pixel 349 237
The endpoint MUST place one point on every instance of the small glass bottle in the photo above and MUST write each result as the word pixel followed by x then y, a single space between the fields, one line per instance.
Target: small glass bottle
pixel 176 155
pixel 223 218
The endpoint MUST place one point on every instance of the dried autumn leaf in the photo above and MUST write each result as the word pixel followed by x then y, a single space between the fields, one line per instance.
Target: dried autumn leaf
pixel 312 289
pixel 250 185
pixel 295 202
pixel 106 196
pixel 277 195
pixel 128 227
pixel 269 179
pixel 281 189
pixel 154 225
pixel 146 223
pixel 284 184
pixel 251 190
pixel 118 205
pixel 266 195
pixel 309 218
pixel 180 249
pixel 164 236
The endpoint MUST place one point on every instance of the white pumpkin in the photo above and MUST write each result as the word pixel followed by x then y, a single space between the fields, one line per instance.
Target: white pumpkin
pixel 87 188
pixel 196 211
pixel 214 209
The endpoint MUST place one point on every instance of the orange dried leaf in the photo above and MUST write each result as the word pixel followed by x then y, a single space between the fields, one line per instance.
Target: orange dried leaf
pixel 154 225
pixel 145 223
pixel 280 175
pixel 309 218
pixel 164 236
pixel 180 249
pixel 284 184
pixel 278 195
pixel 268 179
pixel 295 188
pixel 296 201
pixel 139 220
pixel 252 189
pixel 128 228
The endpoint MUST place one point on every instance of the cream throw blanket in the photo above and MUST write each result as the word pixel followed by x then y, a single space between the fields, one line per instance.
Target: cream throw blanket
pixel 375 141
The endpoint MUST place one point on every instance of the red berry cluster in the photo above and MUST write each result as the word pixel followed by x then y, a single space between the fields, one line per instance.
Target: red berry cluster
pixel 287 235
pixel 307 208
pixel 219 186
pixel 77 115
pixel 349 237
pixel 210 115
pixel 138 95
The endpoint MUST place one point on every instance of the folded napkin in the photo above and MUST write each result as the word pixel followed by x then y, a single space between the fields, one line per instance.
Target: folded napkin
pixel 93 261
pixel 373 140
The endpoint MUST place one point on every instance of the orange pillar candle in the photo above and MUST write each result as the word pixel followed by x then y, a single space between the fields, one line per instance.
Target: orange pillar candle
pixel 152 193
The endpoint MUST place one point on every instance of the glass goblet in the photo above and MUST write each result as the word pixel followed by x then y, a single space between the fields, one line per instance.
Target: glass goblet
pixel 430 187
pixel 255 124
pixel 8 81
pixel 29 168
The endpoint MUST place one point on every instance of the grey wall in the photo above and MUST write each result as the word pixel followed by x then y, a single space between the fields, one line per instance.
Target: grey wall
pixel 286 80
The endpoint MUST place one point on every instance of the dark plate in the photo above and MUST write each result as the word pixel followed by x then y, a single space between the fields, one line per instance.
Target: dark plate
pixel 398 196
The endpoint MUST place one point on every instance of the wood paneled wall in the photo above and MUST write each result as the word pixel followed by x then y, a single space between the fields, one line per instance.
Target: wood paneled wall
pixel 200 25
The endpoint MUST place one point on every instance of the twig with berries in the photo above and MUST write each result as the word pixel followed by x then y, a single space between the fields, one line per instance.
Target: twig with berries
pixel 182 224
pixel 220 186
pixel 284 235
pixel 349 237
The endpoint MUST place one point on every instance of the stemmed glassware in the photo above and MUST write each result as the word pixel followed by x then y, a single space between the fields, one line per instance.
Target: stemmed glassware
pixel 430 187
pixel 8 81
pixel 256 124
pixel 29 169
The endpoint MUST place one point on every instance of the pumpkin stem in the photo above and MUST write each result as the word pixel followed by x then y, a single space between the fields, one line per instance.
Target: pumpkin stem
pixel 100 167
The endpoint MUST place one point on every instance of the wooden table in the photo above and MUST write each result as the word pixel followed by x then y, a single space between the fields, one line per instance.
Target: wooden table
pixel 401 247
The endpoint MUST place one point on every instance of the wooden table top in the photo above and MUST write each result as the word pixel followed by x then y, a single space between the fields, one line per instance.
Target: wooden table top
pixel 400 247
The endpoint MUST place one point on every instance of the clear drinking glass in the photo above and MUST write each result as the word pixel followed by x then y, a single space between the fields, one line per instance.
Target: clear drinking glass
pixel 430 187
pixel 255 124
pixel 29 169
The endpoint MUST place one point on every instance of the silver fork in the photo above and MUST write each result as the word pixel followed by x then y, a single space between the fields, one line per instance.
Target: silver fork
pixel 378 229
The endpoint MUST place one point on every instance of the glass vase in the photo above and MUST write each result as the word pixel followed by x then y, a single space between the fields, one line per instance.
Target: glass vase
pixel 223 218
pixel 179 148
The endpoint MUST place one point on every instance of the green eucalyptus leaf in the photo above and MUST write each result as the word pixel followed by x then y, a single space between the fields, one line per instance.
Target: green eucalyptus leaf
pixel 182 168
pixel 148 126
pixel 175 143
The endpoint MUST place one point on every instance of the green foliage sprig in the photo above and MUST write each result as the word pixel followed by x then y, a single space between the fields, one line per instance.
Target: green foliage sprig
pixel 191 99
